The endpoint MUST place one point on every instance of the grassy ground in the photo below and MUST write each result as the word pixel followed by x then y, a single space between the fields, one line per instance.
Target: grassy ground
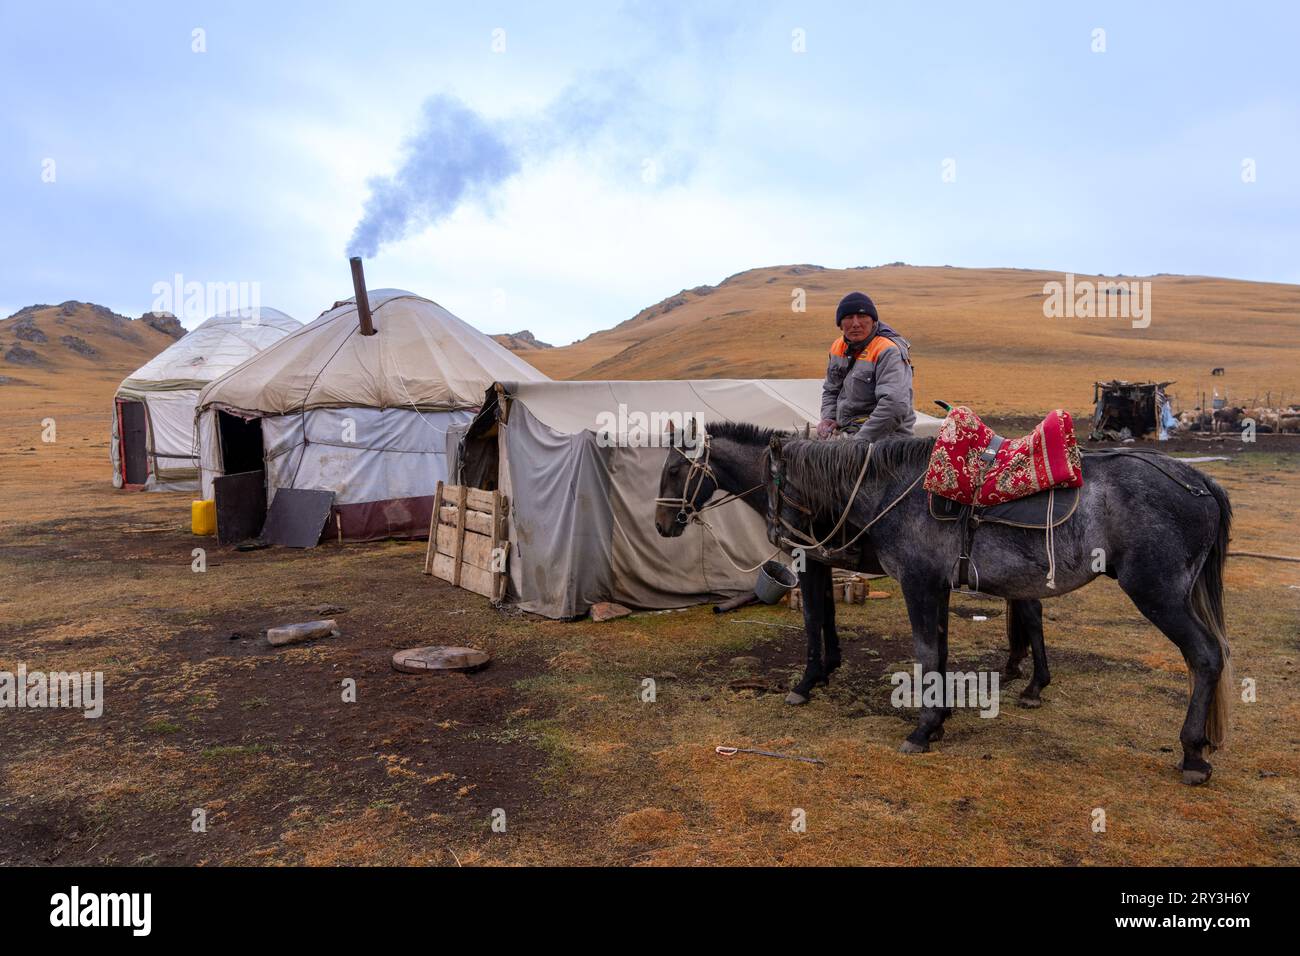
pixel 201 714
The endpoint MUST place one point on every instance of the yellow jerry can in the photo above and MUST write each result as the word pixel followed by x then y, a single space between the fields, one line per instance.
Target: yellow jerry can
pixel 203 517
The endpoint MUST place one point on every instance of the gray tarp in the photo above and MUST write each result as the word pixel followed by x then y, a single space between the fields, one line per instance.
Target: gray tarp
pixel 582 514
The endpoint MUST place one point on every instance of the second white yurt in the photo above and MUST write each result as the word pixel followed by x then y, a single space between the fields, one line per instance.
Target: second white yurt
pixel 153 445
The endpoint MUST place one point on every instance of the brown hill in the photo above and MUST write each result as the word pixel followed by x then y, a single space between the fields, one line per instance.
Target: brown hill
pixel 64 346
pixel 979 336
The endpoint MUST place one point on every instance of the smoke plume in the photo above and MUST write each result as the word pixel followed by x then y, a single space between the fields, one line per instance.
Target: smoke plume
pixel 456 154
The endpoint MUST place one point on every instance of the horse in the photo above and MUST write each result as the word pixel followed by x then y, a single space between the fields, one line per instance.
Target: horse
pixel 732 458
pixel 1155 525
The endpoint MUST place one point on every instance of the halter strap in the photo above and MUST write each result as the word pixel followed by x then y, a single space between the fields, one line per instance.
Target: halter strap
pixel 699 469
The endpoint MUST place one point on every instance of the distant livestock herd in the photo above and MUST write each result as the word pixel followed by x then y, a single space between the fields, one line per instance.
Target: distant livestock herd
pixel 1267 420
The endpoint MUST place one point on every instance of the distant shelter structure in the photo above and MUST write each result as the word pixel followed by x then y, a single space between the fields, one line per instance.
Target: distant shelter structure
pixel 1136 410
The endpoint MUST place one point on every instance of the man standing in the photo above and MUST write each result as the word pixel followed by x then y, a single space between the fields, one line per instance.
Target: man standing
pixel 868 387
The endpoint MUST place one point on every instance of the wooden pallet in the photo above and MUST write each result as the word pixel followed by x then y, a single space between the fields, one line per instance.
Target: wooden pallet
pixel 466 528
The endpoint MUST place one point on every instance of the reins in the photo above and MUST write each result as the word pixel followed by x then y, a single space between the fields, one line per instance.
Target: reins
pixel 810 542
pixel 688 511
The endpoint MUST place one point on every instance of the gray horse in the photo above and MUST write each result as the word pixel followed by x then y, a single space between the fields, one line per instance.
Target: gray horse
pixel 735 462
pixel 1157 526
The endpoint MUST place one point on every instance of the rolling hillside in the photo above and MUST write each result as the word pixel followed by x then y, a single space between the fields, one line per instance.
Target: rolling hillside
pixel 979 336
pixel 58 346
pixel 63 363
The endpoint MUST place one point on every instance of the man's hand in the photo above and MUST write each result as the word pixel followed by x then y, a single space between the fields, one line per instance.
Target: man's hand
pixel 825 427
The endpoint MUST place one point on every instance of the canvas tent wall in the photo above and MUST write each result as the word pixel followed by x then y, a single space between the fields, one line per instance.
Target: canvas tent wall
pixel 581 507
pixel 153 443
pixel 364 416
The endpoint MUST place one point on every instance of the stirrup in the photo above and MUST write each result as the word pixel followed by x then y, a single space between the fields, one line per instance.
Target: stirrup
pixel 955 581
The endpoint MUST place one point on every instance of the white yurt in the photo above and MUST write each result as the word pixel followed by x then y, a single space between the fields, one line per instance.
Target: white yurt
pixel 153 443
pixel 362 415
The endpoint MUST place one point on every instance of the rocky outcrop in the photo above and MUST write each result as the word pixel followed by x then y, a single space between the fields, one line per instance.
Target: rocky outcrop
pixel 72 307
pixel 521 341
pixel 26 330
pixel 79 345
pixel 21 356
pixel 164 322
pixel 29 310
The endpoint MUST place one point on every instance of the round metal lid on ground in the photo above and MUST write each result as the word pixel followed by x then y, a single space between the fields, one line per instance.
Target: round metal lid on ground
pixel 424 660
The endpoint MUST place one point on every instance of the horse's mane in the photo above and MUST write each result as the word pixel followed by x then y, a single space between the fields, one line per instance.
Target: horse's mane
pixel 744 433
pixel 823 472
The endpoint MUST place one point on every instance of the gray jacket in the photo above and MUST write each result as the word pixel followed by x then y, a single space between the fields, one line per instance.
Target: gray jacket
pixel 875 390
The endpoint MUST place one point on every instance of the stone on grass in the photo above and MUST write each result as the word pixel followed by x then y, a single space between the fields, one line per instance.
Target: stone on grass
pixel 608 611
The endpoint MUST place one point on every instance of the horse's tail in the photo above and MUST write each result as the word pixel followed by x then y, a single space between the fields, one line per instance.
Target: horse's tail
pixel 1207 606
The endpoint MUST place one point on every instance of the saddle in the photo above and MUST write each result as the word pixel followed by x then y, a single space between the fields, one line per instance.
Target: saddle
pixel 1028 512
pixel 976 476
pixel 974 465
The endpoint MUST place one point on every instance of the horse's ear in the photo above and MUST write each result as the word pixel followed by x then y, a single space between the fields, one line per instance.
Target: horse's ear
pixel 807 430
pixel 694 428
pixel 672 434
pixel 775 444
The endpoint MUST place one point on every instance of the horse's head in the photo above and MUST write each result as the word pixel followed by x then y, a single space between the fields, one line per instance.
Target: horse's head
pixel 686 481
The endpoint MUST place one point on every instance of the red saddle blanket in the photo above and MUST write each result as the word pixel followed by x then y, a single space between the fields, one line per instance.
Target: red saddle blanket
pixel 973 465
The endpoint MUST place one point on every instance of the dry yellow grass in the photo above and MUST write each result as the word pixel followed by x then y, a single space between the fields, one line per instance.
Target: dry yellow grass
pixel 979 336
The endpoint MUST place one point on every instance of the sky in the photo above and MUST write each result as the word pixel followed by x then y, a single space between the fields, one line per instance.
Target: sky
pixel 559 167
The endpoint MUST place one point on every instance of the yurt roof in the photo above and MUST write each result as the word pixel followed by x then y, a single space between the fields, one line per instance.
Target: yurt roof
pixel 214 348
pixel 421 356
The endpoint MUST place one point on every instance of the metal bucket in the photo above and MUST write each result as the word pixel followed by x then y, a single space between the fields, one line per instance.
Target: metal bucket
pixel 774 580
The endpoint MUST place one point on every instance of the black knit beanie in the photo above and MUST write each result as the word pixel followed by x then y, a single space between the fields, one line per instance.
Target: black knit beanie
pixel 855 303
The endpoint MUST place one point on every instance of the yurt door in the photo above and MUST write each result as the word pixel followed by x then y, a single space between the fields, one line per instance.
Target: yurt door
pixel 135 455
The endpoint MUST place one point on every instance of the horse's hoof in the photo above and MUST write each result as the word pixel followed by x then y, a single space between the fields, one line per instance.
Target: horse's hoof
pixel 1010 672
pixel 795 699
pixel 1194 778
pixel 907 747
pixel 1030 702
pixel 936 734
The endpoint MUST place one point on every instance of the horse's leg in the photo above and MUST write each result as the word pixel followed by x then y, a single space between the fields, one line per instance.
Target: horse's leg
pixel 924 604
pixel 1025 620
pixel 830 636
pixel 1204 660
pixel 942 612
pixel 1017 643
pixel 812 587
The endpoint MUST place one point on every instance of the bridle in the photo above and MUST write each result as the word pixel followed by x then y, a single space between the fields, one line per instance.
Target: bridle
pixel 687 509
